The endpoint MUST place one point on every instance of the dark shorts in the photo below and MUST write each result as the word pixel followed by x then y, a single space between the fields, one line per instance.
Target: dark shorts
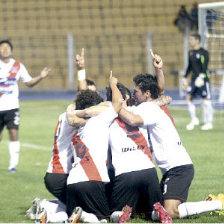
pixel 10 119
pixel 203 92
pixel 90 196
pixel 56 183
pixel 176 182
pixel 138 189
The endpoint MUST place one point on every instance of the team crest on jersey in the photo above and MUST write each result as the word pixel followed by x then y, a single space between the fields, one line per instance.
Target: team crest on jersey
pixel 198 56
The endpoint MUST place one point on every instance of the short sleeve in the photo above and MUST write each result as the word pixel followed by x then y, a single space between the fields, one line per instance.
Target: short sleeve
pixel 148 111
pixel 24 75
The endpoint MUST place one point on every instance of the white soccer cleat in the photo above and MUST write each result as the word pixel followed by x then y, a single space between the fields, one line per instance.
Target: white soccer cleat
pixel 76 215
pixel 193 123
pixel 206 127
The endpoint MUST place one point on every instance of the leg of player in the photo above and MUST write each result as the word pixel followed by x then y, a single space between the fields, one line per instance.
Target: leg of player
pixel 192 112
pixel 14 148
pixel 207 114
pixel 181 210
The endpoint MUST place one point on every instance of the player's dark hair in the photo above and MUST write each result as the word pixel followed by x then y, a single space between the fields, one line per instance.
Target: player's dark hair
pixel 6 42
pixel 124 91
pixel 147 82
pixel 90 82
pixel 196 36
pixel 87 98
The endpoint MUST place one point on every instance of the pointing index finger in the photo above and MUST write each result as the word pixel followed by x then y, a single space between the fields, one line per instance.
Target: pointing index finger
pixel 82 53
pixel 152 53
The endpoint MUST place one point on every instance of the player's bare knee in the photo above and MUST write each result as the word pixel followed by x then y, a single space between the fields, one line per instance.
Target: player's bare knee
pixel 174 213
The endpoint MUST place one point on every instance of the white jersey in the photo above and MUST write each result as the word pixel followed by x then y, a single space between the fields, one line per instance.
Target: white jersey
pixel 91 145
pixel 10 73
pixel 62 157
pixel 129 147
pixel 167 147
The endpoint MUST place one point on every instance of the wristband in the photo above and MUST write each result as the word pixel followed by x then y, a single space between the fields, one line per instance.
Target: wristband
pixel 82 74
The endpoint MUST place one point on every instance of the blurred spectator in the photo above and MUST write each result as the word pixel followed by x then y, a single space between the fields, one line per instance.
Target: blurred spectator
pixel 183 19
pixel 210 18
pixel 194 17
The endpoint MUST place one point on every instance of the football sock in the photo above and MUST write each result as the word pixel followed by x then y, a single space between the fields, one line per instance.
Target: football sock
pixel 14 148
pixel 88 217
pixel 191 109
pixel 207 111
pixel 194 208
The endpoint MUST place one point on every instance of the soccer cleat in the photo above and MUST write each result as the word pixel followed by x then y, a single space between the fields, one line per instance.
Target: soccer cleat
pixel 76 215
pixel 12 170
pixel 194 122
pixel 211 197
pixel 125 217
pixel 206 127
pixel 163 215
pixel 219 197
pixel 30 214
pixel 43 217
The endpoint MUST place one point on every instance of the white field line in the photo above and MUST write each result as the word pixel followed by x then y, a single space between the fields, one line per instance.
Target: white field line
pixel 29 145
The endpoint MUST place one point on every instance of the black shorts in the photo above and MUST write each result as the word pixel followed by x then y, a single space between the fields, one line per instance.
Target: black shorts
pixel 10 119
pixel 90 196
pixel 138 189
pixel 203 91
pixel 176 182
pixel 56 183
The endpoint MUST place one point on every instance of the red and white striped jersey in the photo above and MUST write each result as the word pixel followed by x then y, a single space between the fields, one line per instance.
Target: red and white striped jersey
pixel 10 73
pixel 62 157
pixel 129 147
pixel 167 147
pixel 91 146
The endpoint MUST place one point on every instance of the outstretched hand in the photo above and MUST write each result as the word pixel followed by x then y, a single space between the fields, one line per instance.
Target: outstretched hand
pixel 44 73
pixel 157 60
pixel 80 60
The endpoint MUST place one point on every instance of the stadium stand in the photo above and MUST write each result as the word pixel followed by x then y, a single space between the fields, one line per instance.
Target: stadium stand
pixel 114 34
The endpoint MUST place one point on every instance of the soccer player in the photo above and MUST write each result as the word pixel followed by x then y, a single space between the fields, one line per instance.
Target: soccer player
pixel 86 181
pixel 10 72
pixel 199 85
pixel 135 183
pixel 167 149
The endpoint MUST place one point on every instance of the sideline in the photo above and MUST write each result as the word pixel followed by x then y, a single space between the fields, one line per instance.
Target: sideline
pixel 29 145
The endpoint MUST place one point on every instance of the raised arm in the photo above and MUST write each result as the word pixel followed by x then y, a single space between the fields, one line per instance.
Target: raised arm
pixel 117 99
pixel 158 65
pixel 44 73
pixel 81 74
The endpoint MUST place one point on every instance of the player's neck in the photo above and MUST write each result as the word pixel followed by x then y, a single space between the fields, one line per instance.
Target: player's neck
pixel 196 47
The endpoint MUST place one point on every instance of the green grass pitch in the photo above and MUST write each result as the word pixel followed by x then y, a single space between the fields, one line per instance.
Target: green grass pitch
pixel 38 121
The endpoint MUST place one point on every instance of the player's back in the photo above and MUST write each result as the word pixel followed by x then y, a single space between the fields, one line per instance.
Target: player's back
pixel 167 147
pixel 61 161
pixel 129 147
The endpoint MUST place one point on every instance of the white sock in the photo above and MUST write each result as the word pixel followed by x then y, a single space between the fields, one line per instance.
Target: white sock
pixel 194 208
pixel 54 206
pixel 14 148
pixel 88 217
pixel 208 111
pixel 58 217
pixel 191 109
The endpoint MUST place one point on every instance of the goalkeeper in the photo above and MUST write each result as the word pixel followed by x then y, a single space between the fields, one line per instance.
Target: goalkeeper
pixel 199 85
